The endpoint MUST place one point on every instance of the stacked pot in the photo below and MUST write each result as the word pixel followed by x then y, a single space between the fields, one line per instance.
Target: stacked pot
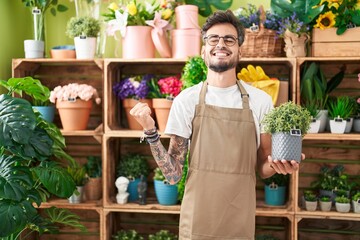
pixel 186 38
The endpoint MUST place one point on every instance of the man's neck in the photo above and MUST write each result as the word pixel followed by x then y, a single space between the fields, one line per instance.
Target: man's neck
pixel 222 79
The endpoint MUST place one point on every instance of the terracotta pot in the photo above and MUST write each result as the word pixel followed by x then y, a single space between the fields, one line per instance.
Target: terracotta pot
pixel 137 43
pixel 63 52
pixel 162 109
pixel 74 115
pixel 128 104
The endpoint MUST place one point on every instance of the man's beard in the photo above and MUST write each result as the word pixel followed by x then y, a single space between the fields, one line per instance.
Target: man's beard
pixel 222 67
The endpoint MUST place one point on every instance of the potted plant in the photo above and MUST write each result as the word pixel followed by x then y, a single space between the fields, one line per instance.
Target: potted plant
pixel 310 201
pixel 84 30
pixel 34 48
pixel 342 204
pixel 127 235
pixel 37 94
pixel 166 194
pixel 74 104
pixel 31 149
pixel 340 109
pixel 131 90
pixel 325 203
pixel 356 202
pixel 163 92
pixel 315 123
pixel 93 187
pixel 315 89
pixel 78 174
pixel 163 235
pixel 194 72
pixel 275 189
pixel 133 166
pixel 287 123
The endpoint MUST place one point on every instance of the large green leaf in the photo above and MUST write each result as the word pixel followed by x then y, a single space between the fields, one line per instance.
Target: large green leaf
pixel 55 179
pixel 65 217
pixel 17 121
pixel 15 180
pixel 205 5
pixel 14 216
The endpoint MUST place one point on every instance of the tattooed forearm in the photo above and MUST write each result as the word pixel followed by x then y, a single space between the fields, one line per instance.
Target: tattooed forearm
pixel 171 162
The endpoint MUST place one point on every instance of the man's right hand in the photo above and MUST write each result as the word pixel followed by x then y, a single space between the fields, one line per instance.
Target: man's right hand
pixel 142 113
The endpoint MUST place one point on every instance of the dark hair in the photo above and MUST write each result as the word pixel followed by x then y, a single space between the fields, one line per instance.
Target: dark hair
pixel 224 17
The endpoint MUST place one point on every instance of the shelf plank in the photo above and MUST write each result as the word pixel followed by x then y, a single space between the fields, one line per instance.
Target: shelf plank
pixel 64 203
pixel 332 136
pixel 89 133
pixel 327 215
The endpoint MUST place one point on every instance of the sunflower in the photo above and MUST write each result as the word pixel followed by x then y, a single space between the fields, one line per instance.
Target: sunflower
pixel 332 3
pixel 326 20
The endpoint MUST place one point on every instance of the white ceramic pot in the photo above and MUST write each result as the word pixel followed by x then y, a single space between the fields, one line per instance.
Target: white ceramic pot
pixel 342 207
pixel 337 126
pixel 77 198
pixel 310 206
pixel 325 206
pixel 315 126
pixel 356 206
pixel 85 47
pixel 34 49
pixel 323 117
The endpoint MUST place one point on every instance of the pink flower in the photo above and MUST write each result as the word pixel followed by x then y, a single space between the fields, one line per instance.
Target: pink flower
pixel 170 86
pixel 73 91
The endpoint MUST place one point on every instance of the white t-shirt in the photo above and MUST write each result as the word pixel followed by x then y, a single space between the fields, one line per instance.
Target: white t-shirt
pixel 183 108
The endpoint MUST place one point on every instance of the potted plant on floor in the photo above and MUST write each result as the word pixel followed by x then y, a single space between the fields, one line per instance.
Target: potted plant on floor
pixel 133 166
pixel 356 202
pixel 37 94
pixel 342 204
pixel 163 235
pixel 310 201
pixel 166 194
pixel 31 149
pixel 93 187
pixel 84 31
pixel 325 203
pixel 287 124
pixel 78 174
pixel 275 189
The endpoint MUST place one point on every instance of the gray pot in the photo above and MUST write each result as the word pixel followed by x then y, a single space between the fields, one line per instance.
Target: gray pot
pixel 286 146
pixel 77 197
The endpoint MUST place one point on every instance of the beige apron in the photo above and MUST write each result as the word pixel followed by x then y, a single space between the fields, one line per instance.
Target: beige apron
pixel 219 201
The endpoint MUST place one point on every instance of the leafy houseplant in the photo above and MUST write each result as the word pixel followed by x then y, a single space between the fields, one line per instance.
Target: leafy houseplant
pixel 29 170
pixel 275 189
pixel 340 110
pixel 133 166
pixel 93 188
pixel 287 123
pixel 163 235
pixel 342 204
pixel 166 194
pixel 128 235
pixel 356 202
pixel 310 201
pixel 194 72
pixel 325 203
pixel 78 174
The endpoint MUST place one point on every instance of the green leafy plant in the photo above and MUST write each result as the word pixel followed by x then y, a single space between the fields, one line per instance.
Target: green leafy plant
pixel 163 235
pixel 82 26
pixel 206 6
pixel 78 174
pixel 342 199
pixel 194 72
pixel 313 110
pixel 324 199
pixel 93 166
pixel 38 93
pixel 132 166
pixel 158 175
pixel 286 117
pixel 314 87
pixel 341 107
pixel 332 179
pixel 29 170
pixel 279 179
pixel 356 196
pixel 127 235
pixel 309 196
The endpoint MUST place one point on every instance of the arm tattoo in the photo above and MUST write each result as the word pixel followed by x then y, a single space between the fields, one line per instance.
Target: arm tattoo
pixel 171 162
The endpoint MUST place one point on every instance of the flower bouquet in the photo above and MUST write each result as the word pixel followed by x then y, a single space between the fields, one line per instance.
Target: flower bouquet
pixel 74 104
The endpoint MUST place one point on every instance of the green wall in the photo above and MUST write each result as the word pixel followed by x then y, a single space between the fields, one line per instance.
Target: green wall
pixel 16 26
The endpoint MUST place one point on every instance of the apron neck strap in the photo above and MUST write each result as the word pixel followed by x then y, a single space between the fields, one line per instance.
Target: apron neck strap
pixel 244 94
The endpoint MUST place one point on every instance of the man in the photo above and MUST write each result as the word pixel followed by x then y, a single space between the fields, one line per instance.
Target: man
pixel 222 119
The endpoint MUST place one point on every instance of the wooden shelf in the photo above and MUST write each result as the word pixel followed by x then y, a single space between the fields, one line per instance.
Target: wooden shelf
pixel 63 203
pixel 328 215
pixel 333 136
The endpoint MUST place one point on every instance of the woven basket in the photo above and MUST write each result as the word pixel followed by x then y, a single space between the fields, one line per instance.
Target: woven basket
pixel 262 43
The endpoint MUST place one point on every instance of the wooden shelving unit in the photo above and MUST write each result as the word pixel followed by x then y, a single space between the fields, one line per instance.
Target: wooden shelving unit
pixel 108 136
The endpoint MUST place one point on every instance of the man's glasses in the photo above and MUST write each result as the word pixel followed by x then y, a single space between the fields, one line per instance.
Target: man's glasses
pixel 213 40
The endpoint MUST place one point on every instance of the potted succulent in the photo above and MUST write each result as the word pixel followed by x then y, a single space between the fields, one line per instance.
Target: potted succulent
pixel 37 94
pixel 128 235
pixel 31 150
pixel 133 166
pixel 356 202
pixel 287 124
pixel 342 204
pixel 74 104
pixel 166 194
pixel 163 235
pixel 78 174
pixel 93 187
pixel 310 201
pixel 84 30
pixel 325 203
pixel 275 189
pixel 340 109
pixel 315 89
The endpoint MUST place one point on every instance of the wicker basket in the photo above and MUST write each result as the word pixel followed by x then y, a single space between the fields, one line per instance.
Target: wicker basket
pixel 262 43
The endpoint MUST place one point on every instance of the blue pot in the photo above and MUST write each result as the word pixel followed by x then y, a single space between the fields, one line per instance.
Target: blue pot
pixel 275 195
pixel 47 112
pixel 166 194
pixel 132 190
